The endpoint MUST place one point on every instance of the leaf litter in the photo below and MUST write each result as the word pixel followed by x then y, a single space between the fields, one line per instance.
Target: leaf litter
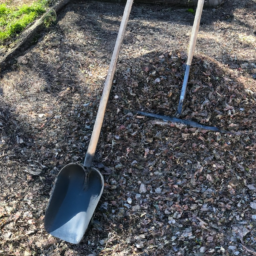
pixel 170 189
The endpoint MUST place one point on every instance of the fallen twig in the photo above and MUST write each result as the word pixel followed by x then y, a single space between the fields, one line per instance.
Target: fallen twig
pixel 249 250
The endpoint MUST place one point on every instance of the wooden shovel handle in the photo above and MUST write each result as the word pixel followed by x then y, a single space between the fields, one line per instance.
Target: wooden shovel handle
pixel 107 87
pixel 192 43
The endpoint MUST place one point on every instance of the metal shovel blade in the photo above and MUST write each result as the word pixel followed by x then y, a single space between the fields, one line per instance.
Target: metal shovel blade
pixel 73 201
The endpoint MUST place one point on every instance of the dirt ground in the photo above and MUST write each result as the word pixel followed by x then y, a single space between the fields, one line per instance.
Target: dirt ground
pixel 169 189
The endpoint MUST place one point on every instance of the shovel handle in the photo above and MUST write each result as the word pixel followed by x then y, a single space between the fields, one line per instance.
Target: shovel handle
pixel 107 87
pixel 192 43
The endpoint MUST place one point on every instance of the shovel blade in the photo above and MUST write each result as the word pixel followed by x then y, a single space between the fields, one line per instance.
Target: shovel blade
pixel 73 201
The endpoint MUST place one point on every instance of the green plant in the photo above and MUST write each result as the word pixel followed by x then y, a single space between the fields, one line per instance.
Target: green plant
pixel 191 10
pixel 14 20
pixel 50 18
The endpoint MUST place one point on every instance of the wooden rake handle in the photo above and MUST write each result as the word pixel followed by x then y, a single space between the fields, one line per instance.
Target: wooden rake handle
pixel 191 50
pixel 195 29
pixel 107 87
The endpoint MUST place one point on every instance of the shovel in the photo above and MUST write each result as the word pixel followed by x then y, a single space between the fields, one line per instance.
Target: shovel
pixel 78 188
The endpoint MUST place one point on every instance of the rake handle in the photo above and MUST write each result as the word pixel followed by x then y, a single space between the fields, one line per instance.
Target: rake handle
pixel 191 50
pixel 107 88
pixel 195 29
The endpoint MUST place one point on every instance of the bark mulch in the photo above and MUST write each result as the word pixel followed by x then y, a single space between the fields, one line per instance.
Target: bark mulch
pixel 169 189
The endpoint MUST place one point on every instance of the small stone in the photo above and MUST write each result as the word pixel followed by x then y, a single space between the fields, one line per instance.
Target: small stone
pixel 174 238
pixel 158 190
pixel 253 205
pixel 251 187
pixel 204 208
pixel 236 253
pixel 232 247
pixel 254 217
pixel 134 163
pixel 193 206
pixel 136 208
pixel 143 188
pixel 129 200
pixel 167 212
pixel 172 221
pixel 119 166
pixel 102 242
pixel 27 253
pixel 137 196
pixel 117 137
pixel 19 140
pixel 139 245
pixel 254 76
pixel 222 249
pixel 203 249
pixel 7 235
pixel 157 80
pixel 153 73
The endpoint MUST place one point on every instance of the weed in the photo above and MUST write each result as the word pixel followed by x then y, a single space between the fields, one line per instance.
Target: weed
pixel 50 18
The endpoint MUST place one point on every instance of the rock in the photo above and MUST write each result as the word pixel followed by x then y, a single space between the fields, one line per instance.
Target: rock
pixel 193 206
pixel 136 208
pixel 139 245
pixel 119 166
pixel 253 205
pixel 251 187
pixel 167 212
pixel 19 140
pixel 232 247
pixel 171 221
pixel 203 249
pixel 143 188
pixel 254 217
pixel 158 190
pixel 102 242
pixel 157 80
pixel 134 163
pixel 254 76
pixel 137 196
pixel 129 200
pixel 7 235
